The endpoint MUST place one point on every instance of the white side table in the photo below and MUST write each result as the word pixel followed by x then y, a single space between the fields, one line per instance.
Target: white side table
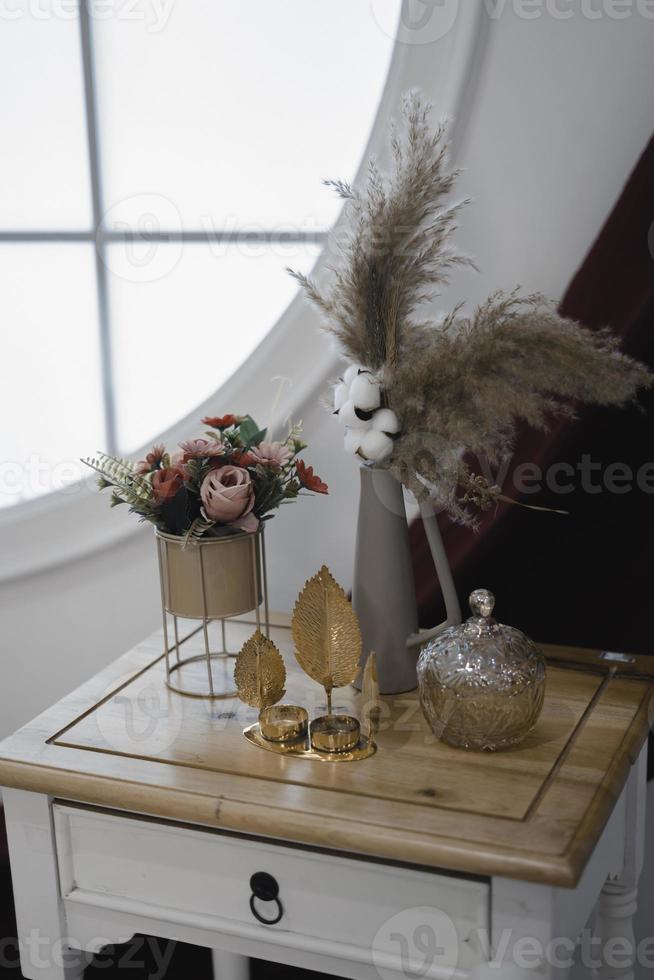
pixel 133 809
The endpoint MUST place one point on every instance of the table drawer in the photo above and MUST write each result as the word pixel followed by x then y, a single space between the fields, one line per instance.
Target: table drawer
pixel 183 874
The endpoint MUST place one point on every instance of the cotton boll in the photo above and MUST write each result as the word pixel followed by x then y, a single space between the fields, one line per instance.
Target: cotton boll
pixel 348 416
pixel 385 420
pixel 353 439
pixel 365 392
pixel 350 374
pixel 376 446
pixel 341 395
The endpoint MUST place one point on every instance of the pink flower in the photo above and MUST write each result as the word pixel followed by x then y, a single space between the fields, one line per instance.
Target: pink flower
pixel 194 448
pixel 269 454
pixel 228 497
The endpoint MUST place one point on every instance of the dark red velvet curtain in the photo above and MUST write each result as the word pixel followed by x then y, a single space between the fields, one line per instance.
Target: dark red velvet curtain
pixel 584 579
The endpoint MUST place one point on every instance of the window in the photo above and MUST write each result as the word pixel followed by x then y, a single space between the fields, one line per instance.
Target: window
pixel 162 167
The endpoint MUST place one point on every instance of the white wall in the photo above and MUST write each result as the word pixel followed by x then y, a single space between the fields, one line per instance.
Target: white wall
pixel 557 115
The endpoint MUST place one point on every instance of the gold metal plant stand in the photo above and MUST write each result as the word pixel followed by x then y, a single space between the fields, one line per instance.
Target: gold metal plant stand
pixel 216 684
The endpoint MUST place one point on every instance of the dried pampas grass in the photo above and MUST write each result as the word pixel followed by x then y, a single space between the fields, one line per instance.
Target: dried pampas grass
pixel 463 384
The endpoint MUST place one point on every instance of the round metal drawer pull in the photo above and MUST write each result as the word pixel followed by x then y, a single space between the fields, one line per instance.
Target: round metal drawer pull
pixel 265 888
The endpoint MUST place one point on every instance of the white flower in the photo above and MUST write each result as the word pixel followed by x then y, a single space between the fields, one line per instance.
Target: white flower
pixel 365 392
pixel 348 416
pixel 368 427
pixel 352 440
pixel 376 446
pixel 385 420
pixel 341 395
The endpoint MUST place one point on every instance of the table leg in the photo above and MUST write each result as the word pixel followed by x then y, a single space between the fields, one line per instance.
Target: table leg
pixel 230 966
pixel 616 909
pixel 45 953
pixel 618 901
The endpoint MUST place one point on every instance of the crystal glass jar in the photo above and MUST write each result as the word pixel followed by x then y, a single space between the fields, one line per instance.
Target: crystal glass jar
pixel 482 683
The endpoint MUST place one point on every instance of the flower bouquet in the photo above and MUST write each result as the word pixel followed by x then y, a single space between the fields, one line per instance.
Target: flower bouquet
pixel 228 480
pixel 209 501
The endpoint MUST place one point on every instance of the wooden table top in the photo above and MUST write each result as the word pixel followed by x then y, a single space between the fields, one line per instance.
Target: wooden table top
pixel 535 813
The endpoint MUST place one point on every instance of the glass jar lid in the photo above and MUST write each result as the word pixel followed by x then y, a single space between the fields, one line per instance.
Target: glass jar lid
pixel 481 629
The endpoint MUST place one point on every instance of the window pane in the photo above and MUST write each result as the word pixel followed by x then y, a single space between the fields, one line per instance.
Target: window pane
pixel 44 181
pixel 232 113
pixel 50 388
pixel 209 306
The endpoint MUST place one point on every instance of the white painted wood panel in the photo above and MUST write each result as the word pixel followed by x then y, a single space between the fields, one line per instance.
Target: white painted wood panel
pixel 189 876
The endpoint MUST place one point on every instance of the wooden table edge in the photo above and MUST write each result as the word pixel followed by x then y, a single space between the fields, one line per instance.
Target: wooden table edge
pixel 582 845
pixel 235 816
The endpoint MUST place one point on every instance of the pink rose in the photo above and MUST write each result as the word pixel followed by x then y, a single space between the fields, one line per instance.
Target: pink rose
pixel 228 497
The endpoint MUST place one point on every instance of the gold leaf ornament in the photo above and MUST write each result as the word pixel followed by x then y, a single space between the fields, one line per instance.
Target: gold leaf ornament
pixel 259 672
pixel 326 633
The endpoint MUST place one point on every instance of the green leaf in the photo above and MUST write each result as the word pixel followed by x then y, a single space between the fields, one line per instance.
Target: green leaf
pixel 257 438
pixel 250 432
pixel 196 530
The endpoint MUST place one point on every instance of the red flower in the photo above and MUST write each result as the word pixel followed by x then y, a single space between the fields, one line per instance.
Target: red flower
pixel 152 461
pixel 166 483
pixel 221 421
pixel 242 457
pixel 309 479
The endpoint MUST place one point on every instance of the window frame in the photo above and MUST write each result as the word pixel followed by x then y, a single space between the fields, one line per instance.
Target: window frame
pixel 67 525
pixel 100 236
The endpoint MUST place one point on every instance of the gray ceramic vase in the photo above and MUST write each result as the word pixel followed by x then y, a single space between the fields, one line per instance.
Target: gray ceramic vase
pixel 383 593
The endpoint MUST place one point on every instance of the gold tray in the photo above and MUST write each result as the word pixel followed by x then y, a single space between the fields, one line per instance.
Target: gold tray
pixel 302 748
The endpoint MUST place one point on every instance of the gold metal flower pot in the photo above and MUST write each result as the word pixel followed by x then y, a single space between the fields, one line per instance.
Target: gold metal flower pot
pixel 208 579
pixel 212 578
